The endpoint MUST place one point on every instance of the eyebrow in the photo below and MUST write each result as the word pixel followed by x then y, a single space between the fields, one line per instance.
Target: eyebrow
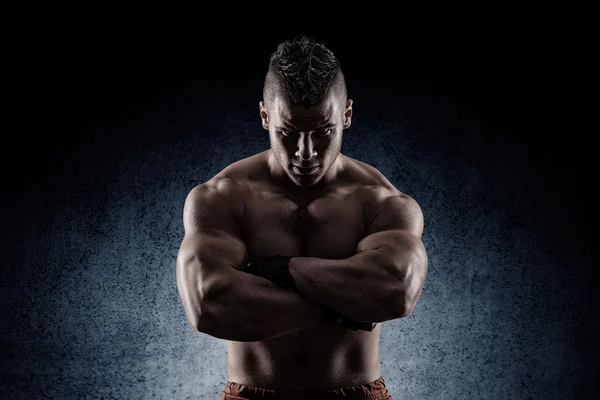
pixel 325 125
pixel 285 128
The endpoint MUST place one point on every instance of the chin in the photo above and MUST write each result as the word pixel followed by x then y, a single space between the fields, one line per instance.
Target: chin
pixel 308 181
pixel 304 181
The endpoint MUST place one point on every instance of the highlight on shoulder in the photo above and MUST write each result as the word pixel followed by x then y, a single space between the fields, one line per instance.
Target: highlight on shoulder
pixel 220 198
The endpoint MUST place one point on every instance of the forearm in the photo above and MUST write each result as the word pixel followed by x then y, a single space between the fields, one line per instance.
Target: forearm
pixel 363 287
pixel 247 308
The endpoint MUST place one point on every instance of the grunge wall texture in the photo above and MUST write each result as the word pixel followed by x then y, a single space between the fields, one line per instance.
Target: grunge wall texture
pixel 91 225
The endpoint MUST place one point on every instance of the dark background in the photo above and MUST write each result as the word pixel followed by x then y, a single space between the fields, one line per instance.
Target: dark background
pixel 114 130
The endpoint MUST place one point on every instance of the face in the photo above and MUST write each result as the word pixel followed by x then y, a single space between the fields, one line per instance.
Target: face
pixel 306 141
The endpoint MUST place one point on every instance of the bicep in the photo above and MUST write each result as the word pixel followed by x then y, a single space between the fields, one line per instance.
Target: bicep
pixel 211 233
pixel 396 230
pixel 206 255
pixel 210 249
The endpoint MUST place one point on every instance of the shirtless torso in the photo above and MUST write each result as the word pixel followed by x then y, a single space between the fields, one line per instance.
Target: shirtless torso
pixel 330 225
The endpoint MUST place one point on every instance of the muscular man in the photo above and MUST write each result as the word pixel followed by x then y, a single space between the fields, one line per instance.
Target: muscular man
pixel 296 255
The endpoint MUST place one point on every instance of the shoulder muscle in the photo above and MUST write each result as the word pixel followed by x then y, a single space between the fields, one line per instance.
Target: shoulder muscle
pixel 390 209
pixel 214 206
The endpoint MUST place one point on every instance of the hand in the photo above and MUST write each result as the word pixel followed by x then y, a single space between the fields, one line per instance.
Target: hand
pixel 275 269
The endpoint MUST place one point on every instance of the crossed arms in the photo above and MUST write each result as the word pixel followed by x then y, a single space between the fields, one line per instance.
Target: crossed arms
pixel 382 281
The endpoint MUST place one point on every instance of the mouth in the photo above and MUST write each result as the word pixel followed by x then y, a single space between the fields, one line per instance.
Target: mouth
pixel 305 171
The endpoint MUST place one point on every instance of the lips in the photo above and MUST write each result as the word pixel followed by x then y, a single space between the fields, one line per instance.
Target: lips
pixel 305 171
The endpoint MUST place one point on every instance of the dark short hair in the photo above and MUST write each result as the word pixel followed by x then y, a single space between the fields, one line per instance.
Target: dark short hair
pixel 303 71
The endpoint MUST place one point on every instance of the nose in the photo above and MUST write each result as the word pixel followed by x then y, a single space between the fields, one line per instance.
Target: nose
pixel 306 150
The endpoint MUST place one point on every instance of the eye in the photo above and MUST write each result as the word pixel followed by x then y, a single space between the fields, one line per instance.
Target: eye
pixel 323 131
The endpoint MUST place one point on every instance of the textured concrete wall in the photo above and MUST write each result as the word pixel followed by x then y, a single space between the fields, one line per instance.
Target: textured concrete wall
pixel 90 308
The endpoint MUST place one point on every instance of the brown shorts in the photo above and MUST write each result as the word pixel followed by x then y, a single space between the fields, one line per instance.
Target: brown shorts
pixel 375 390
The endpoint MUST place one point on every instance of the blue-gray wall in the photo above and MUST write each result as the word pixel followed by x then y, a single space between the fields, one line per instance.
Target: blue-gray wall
pixel 90 308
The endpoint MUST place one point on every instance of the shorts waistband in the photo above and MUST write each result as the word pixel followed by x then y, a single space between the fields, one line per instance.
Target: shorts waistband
pixel 375 390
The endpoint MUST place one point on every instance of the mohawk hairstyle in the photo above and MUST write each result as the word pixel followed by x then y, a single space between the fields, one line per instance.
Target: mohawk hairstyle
pixel 303 71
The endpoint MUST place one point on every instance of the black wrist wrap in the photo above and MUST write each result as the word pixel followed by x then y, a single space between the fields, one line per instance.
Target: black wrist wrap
pixel 275 269
pixel 335 319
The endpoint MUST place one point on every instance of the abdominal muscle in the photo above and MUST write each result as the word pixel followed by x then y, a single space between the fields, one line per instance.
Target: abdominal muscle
pixel 317 358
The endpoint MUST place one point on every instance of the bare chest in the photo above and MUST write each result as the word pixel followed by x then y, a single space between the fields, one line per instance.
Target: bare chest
pixel 329 227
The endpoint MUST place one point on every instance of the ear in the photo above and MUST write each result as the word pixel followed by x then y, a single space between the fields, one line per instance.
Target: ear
pixel 263 115
pixel 348 114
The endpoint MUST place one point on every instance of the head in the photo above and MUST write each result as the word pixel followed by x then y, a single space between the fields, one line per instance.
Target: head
pixel 305 108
